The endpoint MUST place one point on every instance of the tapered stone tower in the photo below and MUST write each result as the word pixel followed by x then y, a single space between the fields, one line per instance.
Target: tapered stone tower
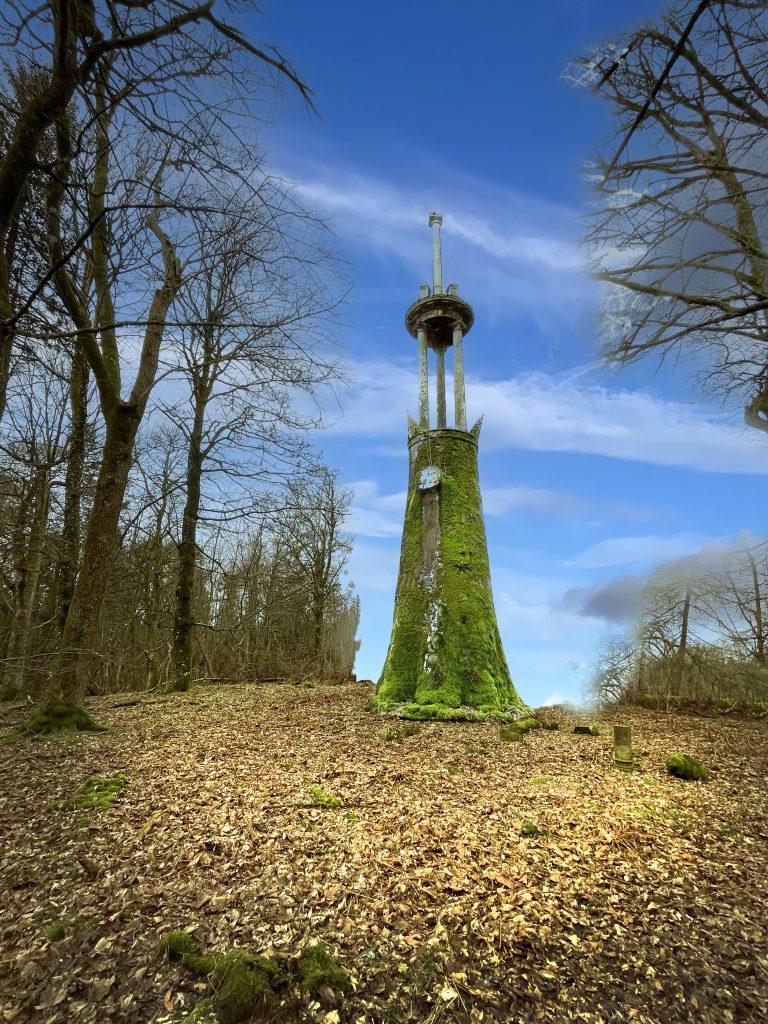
pixel 445 659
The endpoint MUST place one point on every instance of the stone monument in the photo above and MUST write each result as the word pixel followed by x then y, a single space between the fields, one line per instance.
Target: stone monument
pixel 445 660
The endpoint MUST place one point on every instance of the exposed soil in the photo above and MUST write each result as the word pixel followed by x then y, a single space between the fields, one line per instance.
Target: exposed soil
pixel 643 897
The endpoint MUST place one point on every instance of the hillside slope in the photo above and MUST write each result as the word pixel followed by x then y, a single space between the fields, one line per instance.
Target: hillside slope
pixel 641 898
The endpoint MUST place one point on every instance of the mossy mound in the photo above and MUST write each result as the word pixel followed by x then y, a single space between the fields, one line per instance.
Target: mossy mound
pixel 244 984
pixel 98 791
pixel 56 717
pixel 318 969
pixel 443 713
pixel 526 724
pixel 9 692
pixel 682 766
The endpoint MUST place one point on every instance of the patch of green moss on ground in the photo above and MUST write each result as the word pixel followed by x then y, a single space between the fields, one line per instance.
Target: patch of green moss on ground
pixel 683 766
pixel 56 717
pixel 317 969
pixel 529 828
pixel 97 791
pixel 396 733
pixel 510 735
pixel 323 799
pixel 8 692
pixel 445 654
pixel 57 930
pixel 526 724
pixel 655 813
pixel 203 1013
pixel 243 984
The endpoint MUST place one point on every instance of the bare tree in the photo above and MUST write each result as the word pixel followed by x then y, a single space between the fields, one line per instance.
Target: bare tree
pixel 680 217
pixel 61 47
pixel 258 302
pixel 318 546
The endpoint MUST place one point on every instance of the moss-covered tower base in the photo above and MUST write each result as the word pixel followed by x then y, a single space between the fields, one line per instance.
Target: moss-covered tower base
pixel 445 659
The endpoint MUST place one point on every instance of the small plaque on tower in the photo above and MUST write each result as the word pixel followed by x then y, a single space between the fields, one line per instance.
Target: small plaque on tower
pixel 429 478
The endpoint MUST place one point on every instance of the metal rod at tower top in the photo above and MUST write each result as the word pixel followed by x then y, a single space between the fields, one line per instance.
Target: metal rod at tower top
pixel 435 220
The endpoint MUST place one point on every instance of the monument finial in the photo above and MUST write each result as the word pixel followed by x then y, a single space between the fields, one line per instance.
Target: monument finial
pixel 435 220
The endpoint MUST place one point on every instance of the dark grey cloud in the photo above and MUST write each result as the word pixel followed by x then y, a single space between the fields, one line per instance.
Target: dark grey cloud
pixel 615 600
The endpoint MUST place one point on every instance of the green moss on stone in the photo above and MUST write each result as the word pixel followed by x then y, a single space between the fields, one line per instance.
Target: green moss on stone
pixel 445 655
pixel 682 766
pixel 318 969
pixel 56 717
pixel 97 791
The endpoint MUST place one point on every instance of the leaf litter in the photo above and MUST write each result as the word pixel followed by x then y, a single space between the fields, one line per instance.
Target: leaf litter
pixel 457 878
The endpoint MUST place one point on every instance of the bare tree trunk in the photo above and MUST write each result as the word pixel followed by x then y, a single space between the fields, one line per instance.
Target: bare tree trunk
pixel 683 646
pixel 28 576
pixel 102 541
pixel 183 618
pixel 73 484
pixel 155 590
pixel 759 637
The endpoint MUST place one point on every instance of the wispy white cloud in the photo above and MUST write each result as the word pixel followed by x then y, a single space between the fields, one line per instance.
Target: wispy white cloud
pixel 640 551
pixel 543 412
pixel 502 501
pixel 511 252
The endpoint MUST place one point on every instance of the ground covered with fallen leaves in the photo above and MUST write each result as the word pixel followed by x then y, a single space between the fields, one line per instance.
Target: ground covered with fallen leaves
pixel 461 878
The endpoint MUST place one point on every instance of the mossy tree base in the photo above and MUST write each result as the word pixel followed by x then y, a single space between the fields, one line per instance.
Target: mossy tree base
pixel 445 660
pixel 56 717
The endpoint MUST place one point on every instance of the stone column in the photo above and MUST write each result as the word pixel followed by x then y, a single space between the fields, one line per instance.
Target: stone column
pixel 440 356
pixel 458 380
pixel 423 381
pixel 622 748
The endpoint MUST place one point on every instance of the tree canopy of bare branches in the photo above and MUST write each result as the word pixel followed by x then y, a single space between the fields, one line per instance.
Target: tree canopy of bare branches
pixel 679 223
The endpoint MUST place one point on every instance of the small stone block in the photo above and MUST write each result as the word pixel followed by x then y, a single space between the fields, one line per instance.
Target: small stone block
pixel 622 748
pixel 586 730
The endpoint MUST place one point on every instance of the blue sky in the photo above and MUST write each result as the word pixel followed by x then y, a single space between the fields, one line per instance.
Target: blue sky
pixel 589 478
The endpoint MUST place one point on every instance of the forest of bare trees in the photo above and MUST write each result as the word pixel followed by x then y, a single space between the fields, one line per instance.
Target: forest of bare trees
pixel 701 634
pixel 167 311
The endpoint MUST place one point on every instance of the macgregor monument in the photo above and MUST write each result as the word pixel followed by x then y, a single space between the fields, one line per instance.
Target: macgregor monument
pixel 445 659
